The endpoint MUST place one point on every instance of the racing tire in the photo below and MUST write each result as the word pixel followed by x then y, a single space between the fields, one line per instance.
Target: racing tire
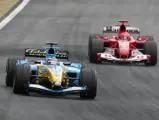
pixel 91 37
pixel 84 65
pixel 141 45
pixel 88 78
pixel 96 46
pixel 22 79
pixel 150 48
pixel 10 70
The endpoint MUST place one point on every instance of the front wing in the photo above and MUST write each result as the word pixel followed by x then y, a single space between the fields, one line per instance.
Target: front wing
pixel 65 90
pixel 109 57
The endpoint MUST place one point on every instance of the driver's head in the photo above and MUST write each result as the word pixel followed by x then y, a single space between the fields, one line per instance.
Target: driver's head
pixel 124 36
pixel 52 61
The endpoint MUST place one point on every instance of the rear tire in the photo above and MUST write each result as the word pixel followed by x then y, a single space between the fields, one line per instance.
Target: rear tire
pixel 22 79
pixel 96 46
pixel 150 48
pixel 10 69
pixel 88 78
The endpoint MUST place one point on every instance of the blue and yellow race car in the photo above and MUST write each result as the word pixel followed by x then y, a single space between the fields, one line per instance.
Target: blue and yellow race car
pixel 50 75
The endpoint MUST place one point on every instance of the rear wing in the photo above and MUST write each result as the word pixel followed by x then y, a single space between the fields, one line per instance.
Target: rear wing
pixel 115 29
pixel 31 52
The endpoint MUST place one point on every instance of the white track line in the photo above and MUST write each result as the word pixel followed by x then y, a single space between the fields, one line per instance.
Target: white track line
pixel 20 7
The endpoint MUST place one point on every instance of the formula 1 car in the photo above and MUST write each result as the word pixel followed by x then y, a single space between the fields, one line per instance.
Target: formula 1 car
pixel 50 75
pixel 122 47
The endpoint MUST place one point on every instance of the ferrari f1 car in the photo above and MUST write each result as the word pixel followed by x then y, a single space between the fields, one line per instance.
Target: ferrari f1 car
pixel 50 75
pixel 123 47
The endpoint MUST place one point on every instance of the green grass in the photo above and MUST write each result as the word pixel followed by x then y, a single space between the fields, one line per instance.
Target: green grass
pixel 5 6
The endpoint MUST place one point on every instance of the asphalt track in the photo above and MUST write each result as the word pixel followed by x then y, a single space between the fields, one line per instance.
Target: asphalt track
pixel 124 92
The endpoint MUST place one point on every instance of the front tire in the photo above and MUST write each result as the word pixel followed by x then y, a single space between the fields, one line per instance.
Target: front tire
pixel 10 69
pixel 88 78
pixel 22 79
pixel 91 37
pixel 84 65
pixel 150 48
pixel 97 46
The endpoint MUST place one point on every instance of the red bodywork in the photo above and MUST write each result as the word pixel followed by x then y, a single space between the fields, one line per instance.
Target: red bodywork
pixel 122 48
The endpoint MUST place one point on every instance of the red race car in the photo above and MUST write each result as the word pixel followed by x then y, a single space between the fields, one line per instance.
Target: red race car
pixel 123 47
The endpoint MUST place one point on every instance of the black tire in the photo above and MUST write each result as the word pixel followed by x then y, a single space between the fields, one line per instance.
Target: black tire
pixel 88 78
pixel 10 70
pixel 141 45
pixel 84 65
pixel 22 79
pixel 150 48
pixel 91 37
pixel 95 47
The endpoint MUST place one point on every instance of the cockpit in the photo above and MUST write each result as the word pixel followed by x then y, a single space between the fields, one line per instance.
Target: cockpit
pixel 124 36
pixel 52 61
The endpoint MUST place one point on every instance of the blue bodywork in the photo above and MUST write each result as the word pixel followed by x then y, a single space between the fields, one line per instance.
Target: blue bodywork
pixel 72 69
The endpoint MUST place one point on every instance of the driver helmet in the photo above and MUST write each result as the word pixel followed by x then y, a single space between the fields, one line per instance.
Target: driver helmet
pixel 124 36
pixel 52 61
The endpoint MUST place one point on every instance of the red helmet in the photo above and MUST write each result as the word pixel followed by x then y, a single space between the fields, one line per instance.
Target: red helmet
pixel 124 36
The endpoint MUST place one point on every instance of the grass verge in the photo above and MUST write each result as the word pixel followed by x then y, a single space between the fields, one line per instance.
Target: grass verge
pixel 6 5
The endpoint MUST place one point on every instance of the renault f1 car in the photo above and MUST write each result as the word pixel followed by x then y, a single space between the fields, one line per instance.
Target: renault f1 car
pixel 50 75
pixel 122 47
